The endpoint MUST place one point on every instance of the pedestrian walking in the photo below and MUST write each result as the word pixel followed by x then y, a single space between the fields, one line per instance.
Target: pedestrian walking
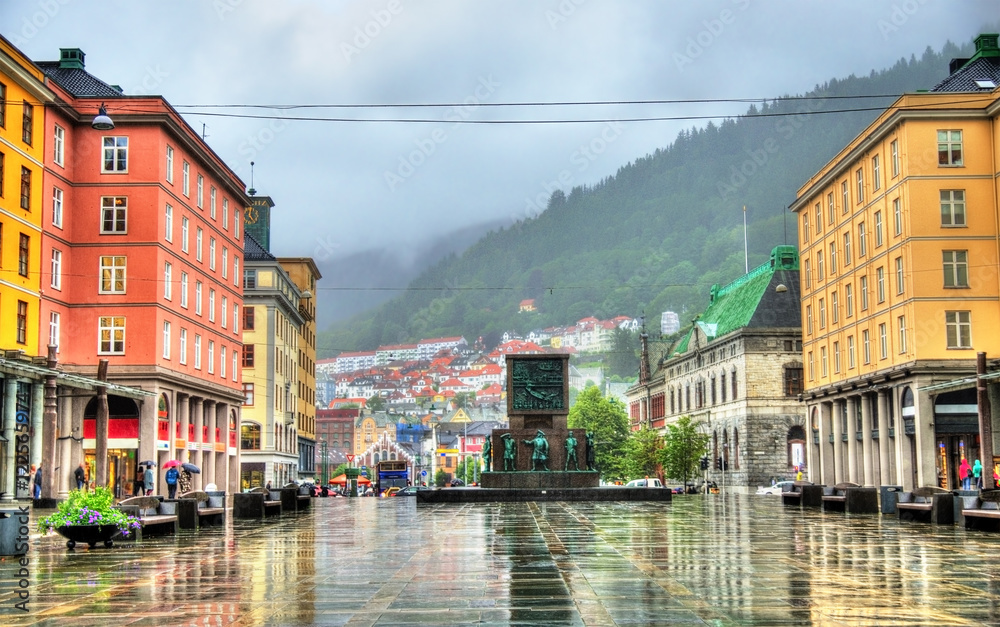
pixel 977 474
pixel 798 475
pixel 186 481
pixel 147 480
pixel 965 473
pixel 172 476
pixel 81 476
pixel 36 492
pixel 140 481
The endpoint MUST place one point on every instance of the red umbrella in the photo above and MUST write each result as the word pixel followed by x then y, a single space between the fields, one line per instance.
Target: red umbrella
pixel 171 463
pixel 342 479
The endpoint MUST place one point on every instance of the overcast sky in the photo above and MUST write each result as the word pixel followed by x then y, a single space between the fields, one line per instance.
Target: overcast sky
pixel 341 187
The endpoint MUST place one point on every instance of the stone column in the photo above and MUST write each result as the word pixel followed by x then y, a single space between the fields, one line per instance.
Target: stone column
pixel 885 466
pixel 194 454
pixel 853 467
pixel 183 419
pixel 148 416
pixel 926 440
pixel 838 440
pixel 208 472
pixel 867 450
pixel 207 412
pixel 37 409
pixel 10 459
pixel 64 465
pixel 826 469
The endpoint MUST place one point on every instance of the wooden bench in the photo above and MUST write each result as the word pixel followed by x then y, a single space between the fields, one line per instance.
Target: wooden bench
pixel 305 497
pixel 984 512
pixel 155 516
pixel 930 504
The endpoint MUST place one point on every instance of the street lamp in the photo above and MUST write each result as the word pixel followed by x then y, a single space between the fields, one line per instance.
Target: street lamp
pixel 102 122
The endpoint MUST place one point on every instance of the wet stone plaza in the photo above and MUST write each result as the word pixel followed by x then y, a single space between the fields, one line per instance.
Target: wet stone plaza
pixel 701 560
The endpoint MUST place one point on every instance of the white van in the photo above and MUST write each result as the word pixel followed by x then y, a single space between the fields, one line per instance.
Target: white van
pixel 644 483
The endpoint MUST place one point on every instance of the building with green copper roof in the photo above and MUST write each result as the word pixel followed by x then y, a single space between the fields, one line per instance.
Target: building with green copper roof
pixel 738 371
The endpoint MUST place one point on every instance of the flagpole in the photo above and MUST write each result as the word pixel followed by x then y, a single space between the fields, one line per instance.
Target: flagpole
pixel 746 250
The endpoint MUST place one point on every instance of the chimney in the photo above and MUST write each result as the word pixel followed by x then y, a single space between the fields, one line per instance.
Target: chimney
pixel 71 59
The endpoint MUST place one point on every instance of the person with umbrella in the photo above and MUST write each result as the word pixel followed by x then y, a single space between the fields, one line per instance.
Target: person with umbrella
pixel 185 479
pixel 172 476
pixel 147 480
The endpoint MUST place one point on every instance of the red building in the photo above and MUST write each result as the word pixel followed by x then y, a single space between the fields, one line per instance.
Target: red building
pixel 141 266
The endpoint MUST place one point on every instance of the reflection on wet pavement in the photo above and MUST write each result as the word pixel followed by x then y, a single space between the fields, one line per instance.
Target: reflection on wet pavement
pixel 716 560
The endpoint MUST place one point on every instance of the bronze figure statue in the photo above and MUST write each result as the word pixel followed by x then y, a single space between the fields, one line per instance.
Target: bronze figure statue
pixel 488 452
pixel 540 452
pixel 571 452
pixel 509 451
pixel 591 452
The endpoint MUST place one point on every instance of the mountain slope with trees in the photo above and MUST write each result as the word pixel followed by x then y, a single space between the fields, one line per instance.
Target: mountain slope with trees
pixel 653 237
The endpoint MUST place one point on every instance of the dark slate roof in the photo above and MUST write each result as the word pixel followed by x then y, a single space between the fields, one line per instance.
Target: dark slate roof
pixel 253 251
pixel 964 79
pixel 78 82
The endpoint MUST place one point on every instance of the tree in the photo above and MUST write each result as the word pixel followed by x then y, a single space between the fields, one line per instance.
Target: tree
pixel 376 403
pixel 683 446
pixel 607 420
pixel 340 470
pixel 440 478
pixel 467 471
pixel 644 453
pixel 464 400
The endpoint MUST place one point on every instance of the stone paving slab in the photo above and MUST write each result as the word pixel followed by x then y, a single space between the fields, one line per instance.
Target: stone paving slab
pixel 701 560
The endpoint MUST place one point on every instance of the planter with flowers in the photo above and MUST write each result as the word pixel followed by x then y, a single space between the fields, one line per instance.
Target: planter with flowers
pixel 89 517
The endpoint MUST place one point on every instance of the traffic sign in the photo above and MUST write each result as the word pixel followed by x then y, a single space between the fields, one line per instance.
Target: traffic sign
pixel 350 457
pixel 423 473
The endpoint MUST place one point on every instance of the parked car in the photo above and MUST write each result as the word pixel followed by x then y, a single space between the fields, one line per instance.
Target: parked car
pixel 776 489
pixel 411 490
pixel 457 483
pixel 649 482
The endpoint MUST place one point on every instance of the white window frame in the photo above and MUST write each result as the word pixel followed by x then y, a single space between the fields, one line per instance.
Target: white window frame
pixel 236 318
pixel 831 209
pixel 222 361
pixel 116 273
pixel 851 356
pixel 211 200
pixel 211 254
pixel 866 347
pixel 168 223
pixel 55 268
pixel 836 357
pixel 184 290
pixel 879 236
pixel 953 209
pixel 860 178
pixel 114 327
pixel 170 164
pixel 57 207
pixel 115 147
pixel 166 339
pixel 197 352
pixel 182 344
pixel 58 145
pixel 186 179
pixel 901 323
pixel 197 298
pixel 876 174
pixel 236 363
pixel 185 231
pixel 224 313
pixel 849 299
pixel 823 363
pixel 894 152
pixel 225 263
pixel 118 215
pixel 168 283
pixel 833 257
pixel 948 139
pixel 845 195
pixel 880 284
pixel 862 239
pixel 897 216
pixel 883 341
pixel 54 323
pixel 863 288
pixel 211 305
pixel 900 276
pixel 834 307
pixel 958 325
pixel 200 191
pixel 199 240
pixel 211 357
pixel 955 264
pixel 225 214
pixel 236 271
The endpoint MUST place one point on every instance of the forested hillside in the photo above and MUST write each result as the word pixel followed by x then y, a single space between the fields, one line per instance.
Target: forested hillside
pixel 653 237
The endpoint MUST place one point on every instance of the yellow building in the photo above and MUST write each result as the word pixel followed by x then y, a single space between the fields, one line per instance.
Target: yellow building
pixel 272 323
pixel 23 97
pixel 304 273
pixel 900 285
